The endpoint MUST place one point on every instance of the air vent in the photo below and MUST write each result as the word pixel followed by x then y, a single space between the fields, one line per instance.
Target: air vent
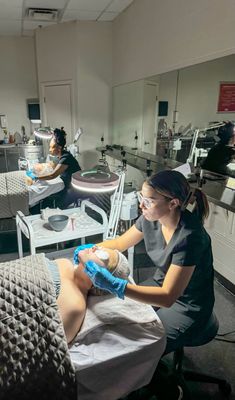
pixel 42 14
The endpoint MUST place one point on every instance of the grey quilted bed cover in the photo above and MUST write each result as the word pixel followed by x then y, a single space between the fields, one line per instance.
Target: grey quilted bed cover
pixel 14 194
pixel 34 357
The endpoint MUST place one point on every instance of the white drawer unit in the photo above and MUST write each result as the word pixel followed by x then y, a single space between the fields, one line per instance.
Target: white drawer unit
pixel 221 228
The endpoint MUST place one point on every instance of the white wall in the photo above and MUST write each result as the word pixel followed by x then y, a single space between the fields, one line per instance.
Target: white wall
pixel 18 80
pixel 81 52
pixel 94 86
pixel 155 36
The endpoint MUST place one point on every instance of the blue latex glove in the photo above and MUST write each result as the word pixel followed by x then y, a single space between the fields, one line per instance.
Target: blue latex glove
pixel 31 174
pixel 79 248
pixel 103 279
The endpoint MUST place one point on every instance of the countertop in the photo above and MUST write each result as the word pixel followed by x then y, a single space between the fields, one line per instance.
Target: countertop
pixel 139 159
pixel 7 146
pixel 216 187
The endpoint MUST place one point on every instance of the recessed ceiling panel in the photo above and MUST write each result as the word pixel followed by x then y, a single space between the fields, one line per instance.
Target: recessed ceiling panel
pixel 58 4
pixel 71 15
pixel 28 25
pixel 11 3
pixel 108 16
pixel 10 28
pixel 10 12
pixel 88 5
pixel 118 5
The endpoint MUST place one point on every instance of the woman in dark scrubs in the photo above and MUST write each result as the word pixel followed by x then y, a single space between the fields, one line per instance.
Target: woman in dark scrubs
pixel 66 166
pixel 181 289
pixel 223 152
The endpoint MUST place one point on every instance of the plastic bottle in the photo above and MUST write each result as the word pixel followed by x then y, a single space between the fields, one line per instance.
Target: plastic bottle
pixel 6 139
pixel 11 138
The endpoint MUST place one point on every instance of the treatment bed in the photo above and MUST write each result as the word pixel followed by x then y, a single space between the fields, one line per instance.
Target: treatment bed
pixel 115 352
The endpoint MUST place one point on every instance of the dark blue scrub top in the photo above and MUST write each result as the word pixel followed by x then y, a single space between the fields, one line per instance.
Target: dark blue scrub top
pixel 68 159
pixel 189 246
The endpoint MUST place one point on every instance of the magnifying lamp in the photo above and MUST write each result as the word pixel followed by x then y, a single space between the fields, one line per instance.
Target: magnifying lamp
pixel 95 181
pixel 44 133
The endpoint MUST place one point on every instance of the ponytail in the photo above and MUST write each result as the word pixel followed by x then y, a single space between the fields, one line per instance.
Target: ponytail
pixel 201 208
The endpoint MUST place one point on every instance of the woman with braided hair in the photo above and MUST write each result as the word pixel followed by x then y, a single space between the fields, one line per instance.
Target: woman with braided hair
pixel 66 165
pixel 64 168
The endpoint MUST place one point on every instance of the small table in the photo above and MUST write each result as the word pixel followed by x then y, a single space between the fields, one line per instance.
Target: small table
pixel 40 234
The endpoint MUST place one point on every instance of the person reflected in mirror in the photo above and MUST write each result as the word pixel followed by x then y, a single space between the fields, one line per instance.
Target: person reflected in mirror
pixel 72 285
pixel 181 289
pixel 223 153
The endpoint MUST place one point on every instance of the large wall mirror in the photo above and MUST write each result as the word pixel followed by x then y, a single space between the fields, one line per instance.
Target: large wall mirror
pixel 149 112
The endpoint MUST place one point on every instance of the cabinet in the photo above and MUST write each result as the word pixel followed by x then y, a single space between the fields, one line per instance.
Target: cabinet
pixel 3 166
pixel 221 227
pixel 12 156
pixel 9 155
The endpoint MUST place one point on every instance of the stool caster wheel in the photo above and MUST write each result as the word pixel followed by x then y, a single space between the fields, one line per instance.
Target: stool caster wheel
pixel 225 388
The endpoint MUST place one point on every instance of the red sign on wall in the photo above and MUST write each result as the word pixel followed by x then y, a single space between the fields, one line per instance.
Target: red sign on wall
pixel 226 101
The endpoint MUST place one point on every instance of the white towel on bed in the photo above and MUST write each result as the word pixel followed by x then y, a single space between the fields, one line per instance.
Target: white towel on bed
pixel 109 310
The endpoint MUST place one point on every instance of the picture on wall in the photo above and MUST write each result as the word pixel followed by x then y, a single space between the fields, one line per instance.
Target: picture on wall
pixel 226 101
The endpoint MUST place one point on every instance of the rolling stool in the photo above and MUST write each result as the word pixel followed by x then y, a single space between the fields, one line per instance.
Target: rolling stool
pixel 209 333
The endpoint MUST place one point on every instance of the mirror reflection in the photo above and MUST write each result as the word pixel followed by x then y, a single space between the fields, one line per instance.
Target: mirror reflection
pixel 160 114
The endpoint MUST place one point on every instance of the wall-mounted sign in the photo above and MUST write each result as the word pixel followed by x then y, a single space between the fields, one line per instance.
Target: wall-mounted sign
pixel 226 101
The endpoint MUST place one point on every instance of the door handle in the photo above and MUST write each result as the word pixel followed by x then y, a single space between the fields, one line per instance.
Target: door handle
pixel 145 143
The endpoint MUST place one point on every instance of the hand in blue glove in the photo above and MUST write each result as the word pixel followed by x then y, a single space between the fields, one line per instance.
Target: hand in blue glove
pixel 31 174
pixel 79 248
pixel 103 279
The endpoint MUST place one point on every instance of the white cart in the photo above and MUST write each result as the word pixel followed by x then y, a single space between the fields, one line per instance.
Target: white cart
pixel 40 234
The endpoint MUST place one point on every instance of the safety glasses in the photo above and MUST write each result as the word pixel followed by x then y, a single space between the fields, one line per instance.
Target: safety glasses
pixel 146 201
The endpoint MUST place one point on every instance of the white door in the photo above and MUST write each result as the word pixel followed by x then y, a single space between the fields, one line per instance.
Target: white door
pixel 57 108
pixel 149 116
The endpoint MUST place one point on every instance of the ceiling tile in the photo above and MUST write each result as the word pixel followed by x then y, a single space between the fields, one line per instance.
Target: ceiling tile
pixel 10 12
pixel 8 27
pixel 118 5
pixel 108 16
pixel 70 15
pixel 88 5
pixel 11 3
pixel 45 3
pixel 28 25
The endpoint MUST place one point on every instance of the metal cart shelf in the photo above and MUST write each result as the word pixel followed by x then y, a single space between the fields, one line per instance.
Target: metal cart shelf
pixel 40 234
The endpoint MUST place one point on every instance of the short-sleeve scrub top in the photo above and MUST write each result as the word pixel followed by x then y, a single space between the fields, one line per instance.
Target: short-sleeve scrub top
pixel 190 245
pixel 68 159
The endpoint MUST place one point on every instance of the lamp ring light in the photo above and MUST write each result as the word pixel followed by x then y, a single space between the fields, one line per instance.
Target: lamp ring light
pixel 95 180
pixel 44 133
